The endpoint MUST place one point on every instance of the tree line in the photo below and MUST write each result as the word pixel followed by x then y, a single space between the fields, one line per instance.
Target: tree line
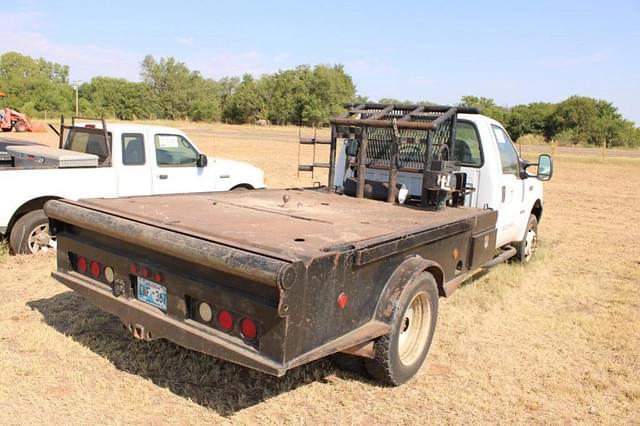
pixel 308 95
pixel 577 119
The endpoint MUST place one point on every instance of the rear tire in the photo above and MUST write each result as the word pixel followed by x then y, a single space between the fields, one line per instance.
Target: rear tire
pixel 240 188
pixel 526 248
pixel 399 355
pixel 30 234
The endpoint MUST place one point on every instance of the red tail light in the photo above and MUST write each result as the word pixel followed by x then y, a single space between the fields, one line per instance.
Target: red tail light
pixel 248 328
pixel 133 269
pixel 146 273
pixel 81 264
pixel 225 320
pixel 343 299
pixel 95 269
pixel 157 277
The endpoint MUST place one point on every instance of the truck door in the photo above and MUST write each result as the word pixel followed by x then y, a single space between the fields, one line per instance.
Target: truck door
pixel 511 189
pixel 468 153
pixel 134 176
pixel 175 169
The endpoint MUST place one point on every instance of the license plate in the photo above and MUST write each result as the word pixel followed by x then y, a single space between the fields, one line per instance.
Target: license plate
pixel 152 293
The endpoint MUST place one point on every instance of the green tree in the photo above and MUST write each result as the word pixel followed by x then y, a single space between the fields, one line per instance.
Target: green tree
pixel 533 118
pixel 119 98
pixel 34 84
pixel 487 106
pixel 246 104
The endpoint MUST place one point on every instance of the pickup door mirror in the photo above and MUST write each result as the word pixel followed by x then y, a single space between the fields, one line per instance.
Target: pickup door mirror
pixel 201 160
pixel 545 167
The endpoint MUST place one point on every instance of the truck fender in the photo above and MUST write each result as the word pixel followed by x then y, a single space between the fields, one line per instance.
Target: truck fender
pixel 536 210
pixel 31 205
pixel 404 273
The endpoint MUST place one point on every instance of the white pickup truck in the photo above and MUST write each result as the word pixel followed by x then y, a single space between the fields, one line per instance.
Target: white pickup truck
pixel 136 160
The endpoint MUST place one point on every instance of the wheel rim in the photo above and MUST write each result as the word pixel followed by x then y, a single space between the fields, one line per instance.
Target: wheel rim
pixel 530 244
pixel 414 329
pixel 40 241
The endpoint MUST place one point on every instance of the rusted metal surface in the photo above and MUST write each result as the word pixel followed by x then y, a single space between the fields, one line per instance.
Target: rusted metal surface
pixel 362 163
pixel 356 247
pixel 332 160
pixel 383 124
pixel 363 350
pixel 260 268
pixel 290 225
pixel 362 334
pixel 151 321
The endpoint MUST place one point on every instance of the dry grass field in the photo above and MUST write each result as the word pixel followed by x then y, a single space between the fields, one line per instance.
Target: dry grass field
pixel 557 341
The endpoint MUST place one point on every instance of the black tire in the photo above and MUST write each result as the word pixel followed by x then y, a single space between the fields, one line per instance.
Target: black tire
pixel 7 129
pixel 240 188
pixel 347 362
pixel 393 365
pixel 26 234
pixel 525 252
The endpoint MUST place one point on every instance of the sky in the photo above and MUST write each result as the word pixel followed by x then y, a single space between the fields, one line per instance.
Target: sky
pixel 512 51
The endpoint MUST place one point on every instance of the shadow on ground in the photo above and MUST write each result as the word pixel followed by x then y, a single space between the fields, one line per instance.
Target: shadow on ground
pixel 207 381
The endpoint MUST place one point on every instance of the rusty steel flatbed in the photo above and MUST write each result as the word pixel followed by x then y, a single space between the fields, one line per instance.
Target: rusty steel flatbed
pixel 288 224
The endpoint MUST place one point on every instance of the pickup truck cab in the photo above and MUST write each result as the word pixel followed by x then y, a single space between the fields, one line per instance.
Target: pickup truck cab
pixel 419 200
pixel 119 161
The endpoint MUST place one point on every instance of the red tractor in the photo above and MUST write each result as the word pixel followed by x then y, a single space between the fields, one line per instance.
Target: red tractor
pixel 12 119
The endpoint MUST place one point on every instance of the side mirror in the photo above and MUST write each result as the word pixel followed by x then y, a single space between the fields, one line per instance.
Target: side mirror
pixel 352 148
pixel 545 167
pixel 201 160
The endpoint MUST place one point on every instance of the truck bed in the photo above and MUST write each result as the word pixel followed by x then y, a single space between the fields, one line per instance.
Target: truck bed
pixel 288 224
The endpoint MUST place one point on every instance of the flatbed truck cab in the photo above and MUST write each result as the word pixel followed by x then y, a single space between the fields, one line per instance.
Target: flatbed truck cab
pixel 274 279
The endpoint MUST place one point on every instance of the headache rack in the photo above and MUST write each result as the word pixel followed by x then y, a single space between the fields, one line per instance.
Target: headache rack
pixel 100 130
pixel 413 138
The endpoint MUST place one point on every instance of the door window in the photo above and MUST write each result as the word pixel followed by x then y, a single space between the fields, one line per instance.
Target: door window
pixel 133 149
pixel 467 149
pixel 508 153
pixel 174 151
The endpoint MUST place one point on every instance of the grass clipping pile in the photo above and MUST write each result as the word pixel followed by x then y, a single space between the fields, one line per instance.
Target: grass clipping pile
pixel 555 341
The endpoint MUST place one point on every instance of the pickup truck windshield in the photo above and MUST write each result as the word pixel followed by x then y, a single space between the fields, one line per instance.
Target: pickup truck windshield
pixel 88 141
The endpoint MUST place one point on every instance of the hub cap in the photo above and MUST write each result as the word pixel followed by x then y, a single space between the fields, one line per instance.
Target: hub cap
pixel 414 329
pixel 530 244
pixel 40 240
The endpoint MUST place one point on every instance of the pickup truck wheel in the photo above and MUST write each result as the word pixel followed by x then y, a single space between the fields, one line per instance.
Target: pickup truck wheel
pixel 526 248
pixel 30 234
pixel 399 355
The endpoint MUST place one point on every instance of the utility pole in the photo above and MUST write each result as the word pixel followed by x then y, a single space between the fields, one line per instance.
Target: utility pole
pixel 76 85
